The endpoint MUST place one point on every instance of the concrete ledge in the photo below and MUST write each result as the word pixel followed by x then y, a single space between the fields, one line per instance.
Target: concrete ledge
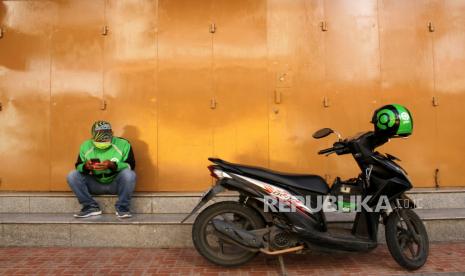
pixel 164 230
pixel 175 219
pixel 438 200
pixel 96 235
pixel 437 190
pixel 152 235
pixel 143 230
pixel 45 219
pixel 152 203
pixel 67 203
pixel 157 219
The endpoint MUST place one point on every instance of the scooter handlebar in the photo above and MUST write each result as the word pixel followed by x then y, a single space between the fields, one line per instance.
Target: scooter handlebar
pixel 325 151
pixel 338 147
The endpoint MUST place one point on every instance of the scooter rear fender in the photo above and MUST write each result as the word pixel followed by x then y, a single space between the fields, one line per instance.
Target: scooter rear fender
pixel 219 186
pixel 206 197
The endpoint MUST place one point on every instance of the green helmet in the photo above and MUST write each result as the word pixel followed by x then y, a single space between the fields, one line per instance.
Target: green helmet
pixel 393 120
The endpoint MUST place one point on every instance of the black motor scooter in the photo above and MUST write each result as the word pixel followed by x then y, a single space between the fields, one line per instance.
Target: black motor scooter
pixel 280 213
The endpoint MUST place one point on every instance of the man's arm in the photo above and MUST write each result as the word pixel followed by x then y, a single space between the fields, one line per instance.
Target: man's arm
pixel 128 161
pixel 80 165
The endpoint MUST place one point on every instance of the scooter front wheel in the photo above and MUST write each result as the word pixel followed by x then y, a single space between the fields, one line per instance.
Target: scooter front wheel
pixel 407 239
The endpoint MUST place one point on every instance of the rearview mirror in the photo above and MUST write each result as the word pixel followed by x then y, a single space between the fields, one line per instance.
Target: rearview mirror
pixel 322 133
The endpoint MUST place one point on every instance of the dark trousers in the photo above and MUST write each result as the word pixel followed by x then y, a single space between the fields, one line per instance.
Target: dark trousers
pixel 84 186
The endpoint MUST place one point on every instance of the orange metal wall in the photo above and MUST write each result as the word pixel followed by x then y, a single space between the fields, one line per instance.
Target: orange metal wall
pixel 252 88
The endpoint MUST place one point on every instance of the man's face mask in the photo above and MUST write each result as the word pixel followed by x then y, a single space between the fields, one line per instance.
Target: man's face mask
pixel 102 145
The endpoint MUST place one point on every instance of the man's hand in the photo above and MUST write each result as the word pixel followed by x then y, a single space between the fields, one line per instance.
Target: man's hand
pixel 88 165
pixel 107 164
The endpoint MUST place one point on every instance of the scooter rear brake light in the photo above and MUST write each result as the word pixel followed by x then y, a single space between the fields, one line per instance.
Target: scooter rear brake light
pixel 217 173
pixel 211 168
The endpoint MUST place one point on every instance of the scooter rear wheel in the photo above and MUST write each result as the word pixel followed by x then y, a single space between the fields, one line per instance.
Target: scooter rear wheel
pixel 215 249
pixel 407 239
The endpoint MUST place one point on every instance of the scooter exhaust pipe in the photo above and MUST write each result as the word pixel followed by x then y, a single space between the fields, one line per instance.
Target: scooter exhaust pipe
pixel 236 234
pixel 283 251
pixel 247 239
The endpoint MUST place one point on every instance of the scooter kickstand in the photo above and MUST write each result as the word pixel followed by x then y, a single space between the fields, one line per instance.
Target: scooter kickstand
pixel 281 265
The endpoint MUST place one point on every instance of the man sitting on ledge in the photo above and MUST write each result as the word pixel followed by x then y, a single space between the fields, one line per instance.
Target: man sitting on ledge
pixel 105 165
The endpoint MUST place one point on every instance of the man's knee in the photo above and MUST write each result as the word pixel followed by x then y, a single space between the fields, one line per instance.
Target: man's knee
pixel 127 176
pixel 74 178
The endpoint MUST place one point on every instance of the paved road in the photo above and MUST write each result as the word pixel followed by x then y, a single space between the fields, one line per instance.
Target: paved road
pixel 445 258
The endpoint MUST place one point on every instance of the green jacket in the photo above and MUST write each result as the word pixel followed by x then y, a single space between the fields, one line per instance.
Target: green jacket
pixel 120 152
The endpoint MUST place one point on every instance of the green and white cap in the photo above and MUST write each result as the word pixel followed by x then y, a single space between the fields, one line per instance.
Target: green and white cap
pixel 101 131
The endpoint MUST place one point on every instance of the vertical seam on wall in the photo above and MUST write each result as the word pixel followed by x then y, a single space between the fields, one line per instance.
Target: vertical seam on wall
pixel 103 52
pixel 212 77
pixel 325 67
pixel 270 86
pixel 157 94
pixel 50 110
pixel 435 112
pixel 377 94
pixel 325 76
pixel 433 63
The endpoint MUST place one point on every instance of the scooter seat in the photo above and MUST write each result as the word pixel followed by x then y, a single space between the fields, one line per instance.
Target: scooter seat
pixel 308 182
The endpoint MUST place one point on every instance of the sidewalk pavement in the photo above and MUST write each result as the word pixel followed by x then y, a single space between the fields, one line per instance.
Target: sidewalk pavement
pixel 444 259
